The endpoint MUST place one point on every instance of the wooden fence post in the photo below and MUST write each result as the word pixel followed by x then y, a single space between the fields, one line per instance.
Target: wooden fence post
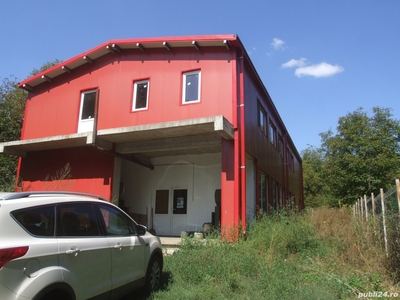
pixel 384 221
pixel 358 207
pixel 366 207
pixel 373 204
pixel 362 208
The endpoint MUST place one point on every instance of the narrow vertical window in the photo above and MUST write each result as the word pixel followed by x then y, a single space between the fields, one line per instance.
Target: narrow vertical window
pixel 291 162
pixel 280 145
pixel 140 95
pixel 88 104
pixel 263 191
pixel 282 197
pixel 87 110
pixel 180 202
pixel 274 194
pixel 262 120
pixel 191 87
pixel 272 134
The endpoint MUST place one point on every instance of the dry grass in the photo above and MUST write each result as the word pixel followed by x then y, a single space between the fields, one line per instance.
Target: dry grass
pixel 359 246
pixel 318 254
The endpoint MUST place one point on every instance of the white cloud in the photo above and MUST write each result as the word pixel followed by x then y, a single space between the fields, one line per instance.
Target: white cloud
pixel 295 63
pixel 278 44
pixel 322 69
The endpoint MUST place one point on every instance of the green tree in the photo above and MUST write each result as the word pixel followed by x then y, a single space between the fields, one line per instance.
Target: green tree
pixel 45 66
pixel 316 191
pixel 363 155
pixel 12 106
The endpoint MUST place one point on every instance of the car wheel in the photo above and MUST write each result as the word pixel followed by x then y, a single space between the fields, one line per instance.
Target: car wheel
pixel 153 276
pixel 56 295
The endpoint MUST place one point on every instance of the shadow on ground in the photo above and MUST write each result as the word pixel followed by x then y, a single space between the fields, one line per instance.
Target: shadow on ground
pixel 141 293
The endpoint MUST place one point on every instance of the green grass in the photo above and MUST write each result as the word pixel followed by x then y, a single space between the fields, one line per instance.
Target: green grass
pixel 314 255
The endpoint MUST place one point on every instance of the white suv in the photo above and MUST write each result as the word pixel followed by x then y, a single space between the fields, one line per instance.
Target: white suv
pixel 67 246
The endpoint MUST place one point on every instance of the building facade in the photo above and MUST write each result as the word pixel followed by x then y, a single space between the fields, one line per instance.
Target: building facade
pixel 179 131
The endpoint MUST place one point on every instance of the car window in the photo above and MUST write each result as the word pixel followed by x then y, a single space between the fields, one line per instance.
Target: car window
pixel 38 221
pixel 77 219
pixel 116 222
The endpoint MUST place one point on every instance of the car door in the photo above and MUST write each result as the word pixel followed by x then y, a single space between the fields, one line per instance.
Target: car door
pixel 84 254
pixel 129 251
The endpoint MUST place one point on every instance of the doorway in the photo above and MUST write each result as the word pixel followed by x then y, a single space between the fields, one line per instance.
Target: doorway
pixel 170 211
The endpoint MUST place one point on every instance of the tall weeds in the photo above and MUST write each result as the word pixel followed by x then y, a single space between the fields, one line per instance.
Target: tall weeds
pixel 317 254
pixel 393 261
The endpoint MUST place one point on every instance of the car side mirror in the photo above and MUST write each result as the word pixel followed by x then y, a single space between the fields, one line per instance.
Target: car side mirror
pixel 141 229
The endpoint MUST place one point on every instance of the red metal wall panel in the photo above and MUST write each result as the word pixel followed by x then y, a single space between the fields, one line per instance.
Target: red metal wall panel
pixel 259 146
pixel 54 111
pixel 229 199
pixel 91 171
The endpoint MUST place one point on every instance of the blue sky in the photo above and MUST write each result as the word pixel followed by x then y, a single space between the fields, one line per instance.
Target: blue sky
pixel 319 60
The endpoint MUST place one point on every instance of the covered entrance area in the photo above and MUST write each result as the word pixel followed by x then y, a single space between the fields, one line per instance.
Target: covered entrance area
pixel 165 174
pixel 177 195
pixel 171 185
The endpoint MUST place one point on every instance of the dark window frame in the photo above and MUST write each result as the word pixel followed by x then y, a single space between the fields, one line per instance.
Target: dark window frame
pixel 262 119
pixel 272 133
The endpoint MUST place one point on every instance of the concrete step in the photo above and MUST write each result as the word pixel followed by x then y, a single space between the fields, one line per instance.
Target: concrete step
pixel 170 244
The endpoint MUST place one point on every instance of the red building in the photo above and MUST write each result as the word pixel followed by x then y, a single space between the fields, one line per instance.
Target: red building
pixel 180 131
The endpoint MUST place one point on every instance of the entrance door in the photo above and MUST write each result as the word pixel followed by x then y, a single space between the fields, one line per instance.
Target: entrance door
pixel 170 213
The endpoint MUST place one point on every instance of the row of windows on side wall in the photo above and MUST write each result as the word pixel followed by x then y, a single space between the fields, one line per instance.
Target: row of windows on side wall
pixel 275 138
pixel 272 132
pixel 191 83
pixel 271 188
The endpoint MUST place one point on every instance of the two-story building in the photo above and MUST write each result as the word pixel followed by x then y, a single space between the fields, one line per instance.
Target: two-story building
pixel 180 131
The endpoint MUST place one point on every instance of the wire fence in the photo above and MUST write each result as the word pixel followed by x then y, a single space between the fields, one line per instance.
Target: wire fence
pixel 384 207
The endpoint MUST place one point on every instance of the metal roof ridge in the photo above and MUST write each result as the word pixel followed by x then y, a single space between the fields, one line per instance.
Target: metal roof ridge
pixel 86 55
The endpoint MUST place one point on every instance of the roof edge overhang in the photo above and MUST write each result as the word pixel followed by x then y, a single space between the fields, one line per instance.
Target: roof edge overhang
pixel 141 44
pixel 123 138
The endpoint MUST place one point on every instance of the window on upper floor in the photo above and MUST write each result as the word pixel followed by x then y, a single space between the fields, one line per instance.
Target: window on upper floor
pixel 87 110
pixel 262 119
pixel 280 145
pixel 272 133
pixel 291 161
pixel 140 95
pixel 191 87
pixel 88 103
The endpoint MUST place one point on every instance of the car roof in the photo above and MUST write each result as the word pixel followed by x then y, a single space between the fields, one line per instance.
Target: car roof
pixel 19 195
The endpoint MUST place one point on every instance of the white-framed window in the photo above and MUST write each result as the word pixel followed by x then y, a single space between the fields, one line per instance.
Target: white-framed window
pixel 88 101
pixel 140 95
pixel 87 110
pixel 191 87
